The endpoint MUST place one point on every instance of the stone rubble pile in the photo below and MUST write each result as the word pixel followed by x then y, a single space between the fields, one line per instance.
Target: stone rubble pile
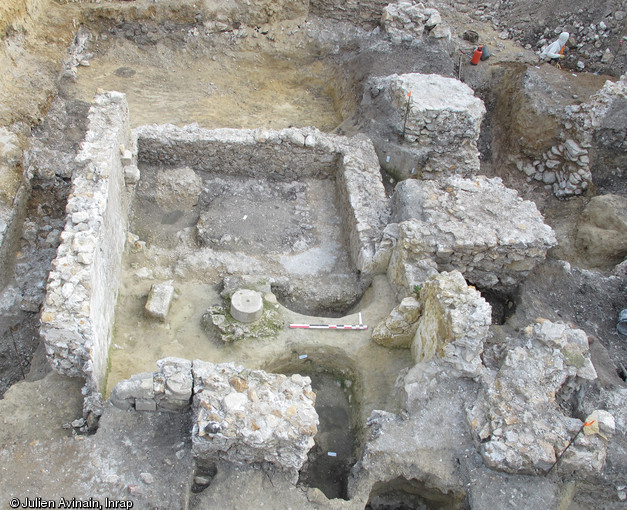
pixel 405 21
pixel 517 417
pixel 476 226
pixel 439 124
pixel 251 416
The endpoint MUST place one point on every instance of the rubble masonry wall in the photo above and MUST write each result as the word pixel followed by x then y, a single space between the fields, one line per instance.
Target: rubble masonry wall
pixel 287 154
pixel 77 316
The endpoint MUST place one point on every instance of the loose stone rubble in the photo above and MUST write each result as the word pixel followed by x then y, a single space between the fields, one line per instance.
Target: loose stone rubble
pixel 77 316
pixel 250 416
pixel 405 21
pixel 476 226
pixel 517 417
pixel 436 119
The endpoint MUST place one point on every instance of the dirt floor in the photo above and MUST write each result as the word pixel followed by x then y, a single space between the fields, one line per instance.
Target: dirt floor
pixel 273 76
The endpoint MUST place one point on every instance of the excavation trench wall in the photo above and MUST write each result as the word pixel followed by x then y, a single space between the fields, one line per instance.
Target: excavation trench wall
pixel 77 316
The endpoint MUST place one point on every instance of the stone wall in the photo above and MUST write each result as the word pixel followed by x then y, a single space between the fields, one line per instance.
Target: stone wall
pixel 251 416
pixel 290 154
pixel 77 316
pixel 431 132
pixel 476 226
pixel 453 325
pixel 568 146
pixel 240 415
pixel 168 389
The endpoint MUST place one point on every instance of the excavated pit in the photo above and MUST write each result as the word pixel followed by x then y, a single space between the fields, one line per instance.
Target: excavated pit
pixel 403 494
pixel 294 231
pixel 337 443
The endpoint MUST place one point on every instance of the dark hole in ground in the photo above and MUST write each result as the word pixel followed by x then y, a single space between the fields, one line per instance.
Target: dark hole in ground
pixel 403 494
pixel 330 460
pixel 503 305
pixel 203 477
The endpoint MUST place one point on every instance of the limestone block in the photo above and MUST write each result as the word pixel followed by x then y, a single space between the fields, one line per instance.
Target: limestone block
pixel 398 329
pixel 453 325
pixel 476 226
pixel 159 300
pixel 246 305
pixel 247 416
pixel 517 416
pixel 602 231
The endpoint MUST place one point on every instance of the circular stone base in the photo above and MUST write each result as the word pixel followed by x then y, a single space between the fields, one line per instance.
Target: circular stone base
pixel 246 305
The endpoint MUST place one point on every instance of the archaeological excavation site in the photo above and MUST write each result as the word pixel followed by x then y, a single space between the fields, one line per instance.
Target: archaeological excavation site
pixel 313 254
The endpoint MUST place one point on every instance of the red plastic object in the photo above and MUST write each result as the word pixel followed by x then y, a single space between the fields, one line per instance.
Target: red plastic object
pixel 476 56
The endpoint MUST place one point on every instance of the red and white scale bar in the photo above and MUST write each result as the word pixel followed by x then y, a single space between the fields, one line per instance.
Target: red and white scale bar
pixel 359 326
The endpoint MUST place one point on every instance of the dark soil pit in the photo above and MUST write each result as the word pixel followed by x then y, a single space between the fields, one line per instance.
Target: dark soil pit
pixel 403 494
pixel 330 460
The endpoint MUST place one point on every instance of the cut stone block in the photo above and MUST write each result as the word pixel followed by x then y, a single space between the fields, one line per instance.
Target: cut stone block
pixel 159 300
pixel 246 305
